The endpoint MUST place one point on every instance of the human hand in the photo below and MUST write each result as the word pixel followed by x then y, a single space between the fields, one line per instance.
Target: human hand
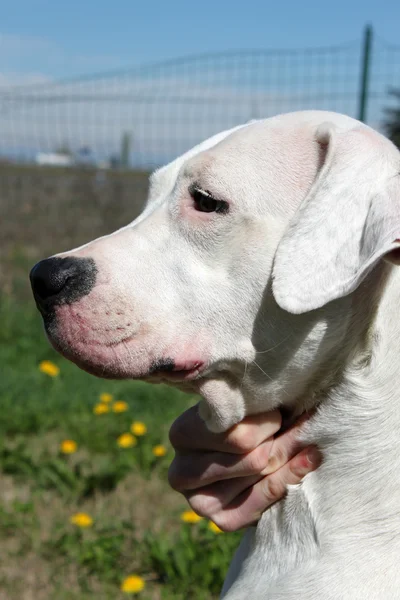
pixel 233 477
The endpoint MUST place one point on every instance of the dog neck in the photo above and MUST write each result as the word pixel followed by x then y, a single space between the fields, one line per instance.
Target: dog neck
pixel 354 495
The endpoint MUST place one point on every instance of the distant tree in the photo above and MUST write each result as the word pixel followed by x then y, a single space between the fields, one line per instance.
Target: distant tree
pixel 84 156
pixel 392 121
pixel 125 155
pixel 114 161
pixel 64 149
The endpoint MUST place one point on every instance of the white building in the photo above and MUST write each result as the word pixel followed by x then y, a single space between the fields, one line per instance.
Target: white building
pixel 54 159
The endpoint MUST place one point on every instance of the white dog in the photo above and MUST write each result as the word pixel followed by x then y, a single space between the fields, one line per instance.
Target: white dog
pixel 260 274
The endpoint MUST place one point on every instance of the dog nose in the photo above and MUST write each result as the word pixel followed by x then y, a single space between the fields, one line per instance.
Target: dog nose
pixel 61 281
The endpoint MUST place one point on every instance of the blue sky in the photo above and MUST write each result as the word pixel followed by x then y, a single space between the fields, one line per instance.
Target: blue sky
pixel 53 39
pixel 46 40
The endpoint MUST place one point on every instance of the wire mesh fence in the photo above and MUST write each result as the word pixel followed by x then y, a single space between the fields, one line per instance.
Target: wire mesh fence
pixel 140 118
pixel 145 116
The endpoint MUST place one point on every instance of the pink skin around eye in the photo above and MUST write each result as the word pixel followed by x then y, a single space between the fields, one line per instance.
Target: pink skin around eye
pixel 188 211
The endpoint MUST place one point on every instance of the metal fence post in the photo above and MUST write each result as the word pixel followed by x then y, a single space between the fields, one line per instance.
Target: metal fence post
pixel 365 69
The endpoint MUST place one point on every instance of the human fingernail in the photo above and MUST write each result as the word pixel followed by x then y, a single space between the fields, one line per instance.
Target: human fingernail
pixel 313 456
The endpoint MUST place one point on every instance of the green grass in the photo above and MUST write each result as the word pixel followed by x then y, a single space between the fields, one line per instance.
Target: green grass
pixel 136 528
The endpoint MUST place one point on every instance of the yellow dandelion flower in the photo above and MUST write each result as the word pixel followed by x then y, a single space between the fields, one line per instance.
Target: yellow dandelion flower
pixel 138 428
pixel 120 406
pixel 106 397
pixel 214 528
pixel 159 450
pixel 132 584
pixel 49 368
pixel 68 447
pixel 126 440
pixel 189 516
pixel 81 520
pixel 101 409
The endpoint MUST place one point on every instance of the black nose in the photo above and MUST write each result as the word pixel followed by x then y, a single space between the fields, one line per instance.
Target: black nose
pixel 61 281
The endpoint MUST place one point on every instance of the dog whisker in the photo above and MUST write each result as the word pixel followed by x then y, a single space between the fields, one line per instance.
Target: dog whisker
pixel 244 374
pixel 266 374
pixel 274 347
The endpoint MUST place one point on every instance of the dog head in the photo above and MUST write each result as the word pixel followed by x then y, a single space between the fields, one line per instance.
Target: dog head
pixel 237 280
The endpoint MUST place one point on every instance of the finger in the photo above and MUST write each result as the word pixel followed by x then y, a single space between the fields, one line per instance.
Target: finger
pixel 285 446
pixel 211 499
pixel 247 508
pixel 189 432
pixel 191 471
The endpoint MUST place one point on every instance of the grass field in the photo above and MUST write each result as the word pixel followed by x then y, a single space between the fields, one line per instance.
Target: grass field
pixel 60 456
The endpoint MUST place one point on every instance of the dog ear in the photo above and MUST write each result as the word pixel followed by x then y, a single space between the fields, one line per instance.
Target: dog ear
pixel 348 221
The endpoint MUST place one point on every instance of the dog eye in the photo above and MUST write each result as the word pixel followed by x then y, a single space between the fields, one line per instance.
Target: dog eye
pixel 204 202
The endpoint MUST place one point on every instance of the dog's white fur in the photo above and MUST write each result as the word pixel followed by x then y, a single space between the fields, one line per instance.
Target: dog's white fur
pixel 289 299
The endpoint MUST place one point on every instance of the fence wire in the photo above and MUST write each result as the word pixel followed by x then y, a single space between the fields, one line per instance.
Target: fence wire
pixel 147 115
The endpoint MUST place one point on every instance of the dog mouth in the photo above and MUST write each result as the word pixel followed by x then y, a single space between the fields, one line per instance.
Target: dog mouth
pixel 172 371
pixel 122 359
